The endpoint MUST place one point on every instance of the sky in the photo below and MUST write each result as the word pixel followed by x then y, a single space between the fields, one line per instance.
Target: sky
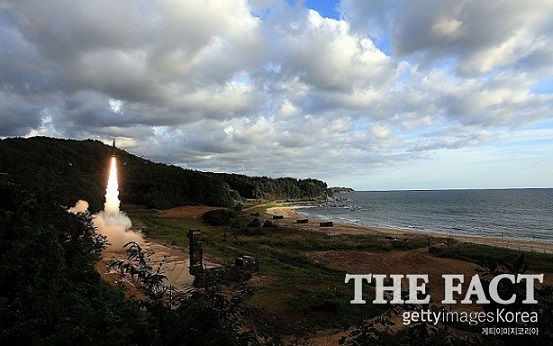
pixel 374 95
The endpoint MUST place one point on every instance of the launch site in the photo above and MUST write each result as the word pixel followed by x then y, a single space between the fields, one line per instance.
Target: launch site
pixel 276 172
pixel 256 264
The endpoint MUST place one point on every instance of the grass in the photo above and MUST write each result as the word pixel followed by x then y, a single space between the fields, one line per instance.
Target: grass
pixel 262 208
pixel 282 254
pixel 290 286
pixel 172 231
pixel 331 308
pixel 488 254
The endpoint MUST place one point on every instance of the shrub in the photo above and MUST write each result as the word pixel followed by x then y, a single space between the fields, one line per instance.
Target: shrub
pixel 219 217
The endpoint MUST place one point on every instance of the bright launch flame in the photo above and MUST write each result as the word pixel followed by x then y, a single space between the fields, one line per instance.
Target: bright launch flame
pixel 112 222
pixel 111 206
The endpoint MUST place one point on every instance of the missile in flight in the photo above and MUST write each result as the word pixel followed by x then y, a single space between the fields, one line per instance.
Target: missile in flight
pixel 113 149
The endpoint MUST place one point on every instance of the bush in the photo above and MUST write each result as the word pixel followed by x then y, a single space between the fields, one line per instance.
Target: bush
pixel 219 217
pixel 50 293
pixel 332 308
pixel 256 222
pixel 484 254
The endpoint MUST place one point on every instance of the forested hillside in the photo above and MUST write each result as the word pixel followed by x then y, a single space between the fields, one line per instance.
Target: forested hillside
pixel 69 170
pixel 280 188
pixel 51 294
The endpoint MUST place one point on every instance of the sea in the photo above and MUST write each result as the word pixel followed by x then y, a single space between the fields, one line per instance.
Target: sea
pixel 525 214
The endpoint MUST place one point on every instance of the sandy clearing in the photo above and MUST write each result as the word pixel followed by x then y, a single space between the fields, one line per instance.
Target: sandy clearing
pixel 175 263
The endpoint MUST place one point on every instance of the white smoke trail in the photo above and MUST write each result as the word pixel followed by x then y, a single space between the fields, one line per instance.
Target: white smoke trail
pixel 112 222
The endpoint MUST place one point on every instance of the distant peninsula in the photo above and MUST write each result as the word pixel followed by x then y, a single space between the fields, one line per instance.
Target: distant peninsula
pixel 341 189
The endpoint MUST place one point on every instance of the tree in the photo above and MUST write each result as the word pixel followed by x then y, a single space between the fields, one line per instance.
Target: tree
pixel 211 315
pixel 50 292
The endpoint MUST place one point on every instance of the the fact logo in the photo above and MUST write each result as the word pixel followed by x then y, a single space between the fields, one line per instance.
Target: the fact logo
pixel 417 287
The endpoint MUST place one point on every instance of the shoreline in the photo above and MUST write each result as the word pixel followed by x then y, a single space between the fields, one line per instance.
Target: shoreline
pixel 290 217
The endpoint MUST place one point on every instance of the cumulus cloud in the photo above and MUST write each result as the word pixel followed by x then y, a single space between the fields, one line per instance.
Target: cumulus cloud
pixel 479 35
pixel 268 88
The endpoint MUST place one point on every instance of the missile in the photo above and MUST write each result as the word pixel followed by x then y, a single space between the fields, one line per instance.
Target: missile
pixel 113 149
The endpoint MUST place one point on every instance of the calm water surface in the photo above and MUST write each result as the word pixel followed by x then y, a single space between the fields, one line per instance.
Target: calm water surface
pixel 508 213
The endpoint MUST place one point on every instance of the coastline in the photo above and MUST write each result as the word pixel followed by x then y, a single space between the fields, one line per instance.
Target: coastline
pixel 313 225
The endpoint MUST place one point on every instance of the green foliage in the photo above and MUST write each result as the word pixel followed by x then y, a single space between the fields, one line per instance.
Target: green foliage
pixel 332 308
pixel 505 288
pixel 66 170
pixel 381 331
pixel 271 189
pixel 212 315
pixel 50 293
pixel 341 190
pixel 69 170
pixel 219 217
pixel 255 223
pixel 483 254
pixel 138 267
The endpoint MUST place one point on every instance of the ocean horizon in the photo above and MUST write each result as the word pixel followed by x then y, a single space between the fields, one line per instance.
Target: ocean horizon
pixel 510 213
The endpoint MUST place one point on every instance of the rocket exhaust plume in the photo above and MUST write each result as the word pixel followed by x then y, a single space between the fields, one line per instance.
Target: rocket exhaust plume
pixel 112 222
pixel 111 206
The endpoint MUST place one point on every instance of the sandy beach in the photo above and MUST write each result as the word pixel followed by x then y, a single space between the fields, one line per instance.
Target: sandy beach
pixel 313 225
